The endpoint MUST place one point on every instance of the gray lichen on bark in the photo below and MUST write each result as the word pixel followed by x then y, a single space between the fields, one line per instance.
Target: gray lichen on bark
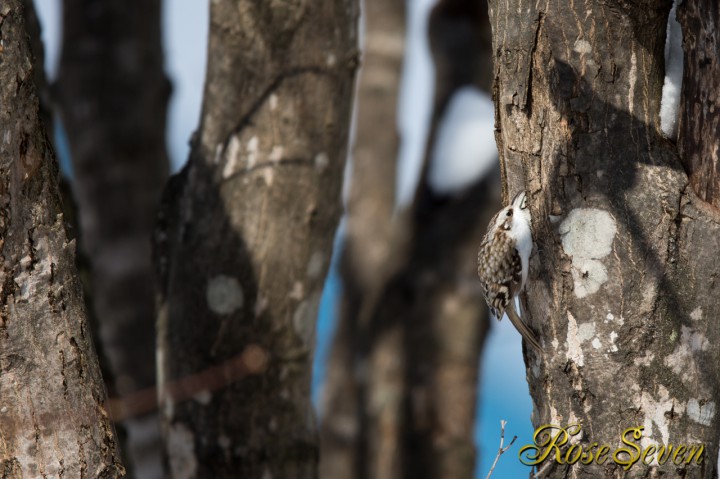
pixel 622 281
pixel 246 236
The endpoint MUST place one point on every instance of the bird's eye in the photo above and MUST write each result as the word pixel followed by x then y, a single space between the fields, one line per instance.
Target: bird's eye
pixel 509 213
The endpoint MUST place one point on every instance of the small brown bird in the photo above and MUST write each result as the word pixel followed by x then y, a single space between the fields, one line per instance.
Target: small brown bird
pixel 503 263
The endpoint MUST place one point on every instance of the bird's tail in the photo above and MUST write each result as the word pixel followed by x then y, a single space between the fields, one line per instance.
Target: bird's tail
pixel 522 328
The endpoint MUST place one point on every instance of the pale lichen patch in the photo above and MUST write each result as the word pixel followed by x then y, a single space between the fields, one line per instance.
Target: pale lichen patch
pixel 574 344
pixel 321 161
pixel 233 153
pixel 613 346
pixel 586 331
pixel 701 412
pixel 587 236
pixel 224 294
pixel 252 151
pixel 305 317
pixel 276 154
pixel 298 291
pixel 657 412
pixel 203 397
pixel 181 452
pixel 697 314
pixel 682 361
pixel 582 46
pixel 315 265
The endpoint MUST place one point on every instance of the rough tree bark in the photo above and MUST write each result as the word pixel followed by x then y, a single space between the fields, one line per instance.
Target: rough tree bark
pixel 52 399
pixel 246 237
pixel 113 96
pixel 349 404
pixel 622 285
pixel 699 122
pixel 401 390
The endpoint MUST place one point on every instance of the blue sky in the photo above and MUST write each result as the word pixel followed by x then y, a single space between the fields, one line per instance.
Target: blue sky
pixel 503 391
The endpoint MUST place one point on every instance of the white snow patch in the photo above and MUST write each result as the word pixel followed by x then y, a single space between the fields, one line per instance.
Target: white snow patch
pixel 596 343
pixel 273 101
pixel 464 149
pixel 609 317
pixel 582 46
pixel 673 76
pixel 701 413
pixel 587 236
pixel 224 294
pixel 555 344
pixel 181 452
pixel 697 314
pixel 574 348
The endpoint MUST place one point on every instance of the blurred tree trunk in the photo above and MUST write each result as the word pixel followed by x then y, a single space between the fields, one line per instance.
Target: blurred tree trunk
pixel 246 236
pixel 113 96
pixel 622 286
pixel 52 399
pixel 448 319
pixel 360 429
pixel 401 387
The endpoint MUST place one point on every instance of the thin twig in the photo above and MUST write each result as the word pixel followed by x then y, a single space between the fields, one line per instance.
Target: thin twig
pixel 501 450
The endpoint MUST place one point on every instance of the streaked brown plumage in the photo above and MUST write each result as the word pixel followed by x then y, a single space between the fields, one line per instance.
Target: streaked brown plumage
pixel 500 264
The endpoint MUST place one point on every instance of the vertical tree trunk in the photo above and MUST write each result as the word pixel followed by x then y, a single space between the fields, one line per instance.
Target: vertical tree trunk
pixel 698 139
pixel 365 259
pixel 360 425
pixel 52 416
pixel 246 240
pixel 448 319
pixel 413 319
pixel 113 95
pixel 622 284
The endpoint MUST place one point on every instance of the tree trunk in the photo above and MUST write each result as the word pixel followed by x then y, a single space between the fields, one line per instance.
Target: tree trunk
pixel 246 237
pixel 446 318
pixel 621 286
pixel 403 377
pixel 699 140
pixel 52 408
pixel 350 414
pixel 113 95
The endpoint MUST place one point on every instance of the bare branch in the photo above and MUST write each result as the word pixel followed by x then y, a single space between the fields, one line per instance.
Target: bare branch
pixel 501 449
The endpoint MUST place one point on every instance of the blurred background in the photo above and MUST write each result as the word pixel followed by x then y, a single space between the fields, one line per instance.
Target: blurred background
pixel 465 142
